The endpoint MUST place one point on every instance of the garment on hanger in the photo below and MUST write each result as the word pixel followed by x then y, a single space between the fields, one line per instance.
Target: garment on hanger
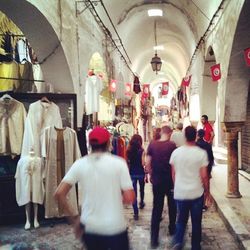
pixel 60 149
pixel 12 120
pixel 40 116
pixel 22 51
pixel 38 75
pixel 94 86
pixel 8 49
pixel 9 70
pixel 25 74
pixel 29 181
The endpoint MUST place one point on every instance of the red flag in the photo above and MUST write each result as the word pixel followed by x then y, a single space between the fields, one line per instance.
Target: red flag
pixel 247 56
pixel 216 72
pixel 186 80
pixel 145 92
pixel 128 89
pixel 165 87
pixel 112 86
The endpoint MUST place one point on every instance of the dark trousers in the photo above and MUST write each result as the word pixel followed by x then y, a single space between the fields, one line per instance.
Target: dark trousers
pixel 195 209
pixel 140 179
pixel 106 242
pixel 159 193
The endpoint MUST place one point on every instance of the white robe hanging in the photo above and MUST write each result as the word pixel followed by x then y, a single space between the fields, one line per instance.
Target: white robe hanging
pixel 40 116
pixel 49 151
pixel 29 181
pixel 93 88
pixel 12 119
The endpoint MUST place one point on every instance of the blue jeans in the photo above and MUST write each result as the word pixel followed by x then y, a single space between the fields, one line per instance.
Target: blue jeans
pixel 183 209
pixel 140 179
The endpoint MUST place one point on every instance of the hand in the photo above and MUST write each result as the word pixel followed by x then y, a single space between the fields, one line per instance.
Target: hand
pixel 78 228
pixel 208 199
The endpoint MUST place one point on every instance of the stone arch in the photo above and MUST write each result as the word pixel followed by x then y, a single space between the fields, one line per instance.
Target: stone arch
pixel 44 41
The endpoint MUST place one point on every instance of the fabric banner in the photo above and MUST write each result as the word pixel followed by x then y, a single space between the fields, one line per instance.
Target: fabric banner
pixel 137 88
pixel 145 92
pixel 216 72
pixel 112 86
pixel 186 81
pixel 247 56
pixel 128 90
pixel 165 88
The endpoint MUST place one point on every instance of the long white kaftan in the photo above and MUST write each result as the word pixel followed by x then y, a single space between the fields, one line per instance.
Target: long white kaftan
pixel 40 116
pixel 94 86
pixel 29 181
pixel 53 166
pixel 12 119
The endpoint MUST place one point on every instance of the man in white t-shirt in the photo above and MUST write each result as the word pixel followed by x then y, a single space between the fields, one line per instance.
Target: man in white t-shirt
pixel 177 136
pixel 105 185
pixel 189 171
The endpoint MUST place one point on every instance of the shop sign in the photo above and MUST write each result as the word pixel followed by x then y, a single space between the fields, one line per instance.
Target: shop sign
pixel 112 85
pixel 216 72
pixel 247 56
pixel 186 81
pixel 165 88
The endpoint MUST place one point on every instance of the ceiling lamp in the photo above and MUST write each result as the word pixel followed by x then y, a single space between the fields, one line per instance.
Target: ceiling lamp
pixel 156 60
pixel 155 12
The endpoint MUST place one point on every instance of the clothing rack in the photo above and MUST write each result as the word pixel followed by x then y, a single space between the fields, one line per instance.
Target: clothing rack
pixel 28 80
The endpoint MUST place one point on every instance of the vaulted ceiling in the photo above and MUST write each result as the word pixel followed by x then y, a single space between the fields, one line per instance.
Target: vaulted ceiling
pixel 178 30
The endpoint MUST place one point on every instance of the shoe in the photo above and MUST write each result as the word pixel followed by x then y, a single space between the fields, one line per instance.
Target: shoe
pixel 142 205
pixel 136 217
pixel 154 244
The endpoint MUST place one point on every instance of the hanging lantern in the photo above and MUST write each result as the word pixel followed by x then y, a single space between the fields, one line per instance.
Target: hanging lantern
pixel 156 63
pixel 112 86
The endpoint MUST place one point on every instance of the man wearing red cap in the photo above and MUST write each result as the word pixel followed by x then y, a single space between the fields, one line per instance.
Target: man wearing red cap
pixel 105 185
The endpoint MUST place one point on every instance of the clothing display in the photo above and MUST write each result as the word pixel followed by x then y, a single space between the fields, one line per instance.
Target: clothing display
pixel 94 86
pixel 9 70
pixel 12 120
pixel 38 75
pixel 25 74
pixel 60 149
pixel 29 181
pixel 40 115
pixel 22 50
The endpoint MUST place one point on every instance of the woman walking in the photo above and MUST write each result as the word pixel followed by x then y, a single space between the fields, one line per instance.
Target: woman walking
pixel 135 158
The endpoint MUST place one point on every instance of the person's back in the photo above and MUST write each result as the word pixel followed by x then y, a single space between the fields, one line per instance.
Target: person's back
pixel 177 136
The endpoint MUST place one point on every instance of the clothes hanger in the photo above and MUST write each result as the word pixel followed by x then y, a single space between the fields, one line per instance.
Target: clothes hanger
pixel 45 99
pixel 6 97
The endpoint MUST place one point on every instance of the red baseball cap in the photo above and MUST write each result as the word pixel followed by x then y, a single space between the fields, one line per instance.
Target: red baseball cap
pixel 100 135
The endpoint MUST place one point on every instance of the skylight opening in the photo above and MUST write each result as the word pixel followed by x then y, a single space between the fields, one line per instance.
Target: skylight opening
pixel 155 12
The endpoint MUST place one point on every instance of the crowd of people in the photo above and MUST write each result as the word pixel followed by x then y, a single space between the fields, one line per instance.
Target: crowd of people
pixel 177 163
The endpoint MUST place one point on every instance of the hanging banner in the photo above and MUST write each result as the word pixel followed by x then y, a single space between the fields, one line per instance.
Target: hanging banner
pixel 112 86
pixel 128 90
pixel 247 56
pixel 165 88
pixel 145 92
pixel 186 81
pixel 216 72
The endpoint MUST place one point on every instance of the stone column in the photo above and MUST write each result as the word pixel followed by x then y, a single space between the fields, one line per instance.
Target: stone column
pixel 232 130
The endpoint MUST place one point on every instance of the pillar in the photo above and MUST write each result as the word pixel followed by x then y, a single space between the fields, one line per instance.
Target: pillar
pixel 232 130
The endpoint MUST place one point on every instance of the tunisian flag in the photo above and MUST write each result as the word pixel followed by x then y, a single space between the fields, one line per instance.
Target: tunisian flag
pixel 216 72
pixel 247 56
pixel 186 81
pixel 165 87
pixel 145 92
pixel 112 86
pixel 128 88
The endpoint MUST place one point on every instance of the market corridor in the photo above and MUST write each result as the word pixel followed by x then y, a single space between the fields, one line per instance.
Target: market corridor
pixel 60 237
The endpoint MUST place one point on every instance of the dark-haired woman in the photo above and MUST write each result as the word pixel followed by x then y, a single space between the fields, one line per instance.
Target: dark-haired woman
pixel 135 158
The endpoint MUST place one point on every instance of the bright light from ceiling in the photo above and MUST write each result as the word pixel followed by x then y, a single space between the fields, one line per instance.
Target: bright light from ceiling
pixel 161 73
pixel 159 47
pixel 155 12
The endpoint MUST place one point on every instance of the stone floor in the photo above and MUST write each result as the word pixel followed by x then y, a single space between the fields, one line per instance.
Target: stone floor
pixel 215 234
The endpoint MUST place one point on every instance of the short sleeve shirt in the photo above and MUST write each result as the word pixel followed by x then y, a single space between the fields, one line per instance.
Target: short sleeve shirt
pixel 208 129
pixel 101 178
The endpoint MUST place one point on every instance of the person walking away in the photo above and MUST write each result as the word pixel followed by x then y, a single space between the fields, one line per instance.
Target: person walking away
pixel 177 136
pixel 135 159
pixel 209 132
pixel 156 134
pixel 206 146
pixel 189 169
pixel 157 164
pixel 105 184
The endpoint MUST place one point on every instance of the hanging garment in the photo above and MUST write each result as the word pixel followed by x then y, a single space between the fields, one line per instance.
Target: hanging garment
pixel 137 88
pixel 40 116
pixel 38 75
pixel 22 49
pixel 9 70
pixel 94 86
pixel 25 74
pixel 29 181
pixel 8 49
pixel 12 120
pixel 60 149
